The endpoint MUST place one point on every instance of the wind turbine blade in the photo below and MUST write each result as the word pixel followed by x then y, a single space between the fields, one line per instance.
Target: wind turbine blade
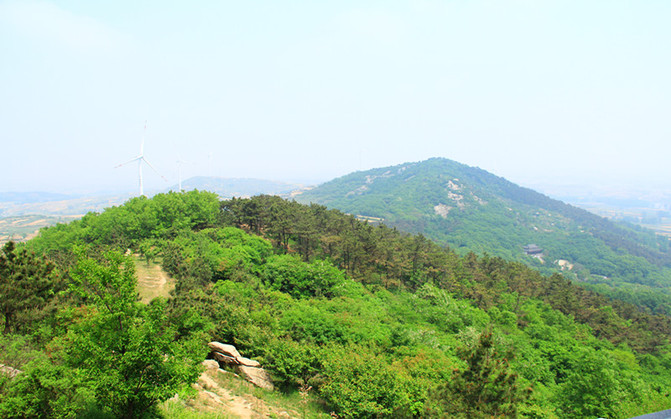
pixel 129 161
pixel 144 133
pixel 152 168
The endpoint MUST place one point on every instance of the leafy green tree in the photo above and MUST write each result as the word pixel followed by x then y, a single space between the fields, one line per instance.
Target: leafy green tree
pixel 293 363
pixel 48 390
pixel 300 279
pixel 360 383
pixel 125 351
pixel 592 388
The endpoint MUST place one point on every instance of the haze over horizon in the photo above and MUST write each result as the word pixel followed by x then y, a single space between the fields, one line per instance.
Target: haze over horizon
pixel 561 92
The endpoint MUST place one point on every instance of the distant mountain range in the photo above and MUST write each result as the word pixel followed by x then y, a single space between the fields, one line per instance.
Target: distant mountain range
pixel 32 197
pixel 237 187
pixel 470 209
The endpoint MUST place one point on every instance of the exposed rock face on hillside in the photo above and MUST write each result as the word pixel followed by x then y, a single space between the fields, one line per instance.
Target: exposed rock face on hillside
pixel 224 349
pixel 228 356
pixel 9 371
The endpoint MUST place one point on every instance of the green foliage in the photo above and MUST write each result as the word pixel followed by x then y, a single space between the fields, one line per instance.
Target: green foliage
pixel 47 390
pixel 591 389
pixel 483 213
pixel 27 284
pixel 163 216
pixel 486 387
pixel 367 316
pixel 361 383
pixel 288 274
pixel 16 350
pixel 125 352
pixel 536 311
pixel 309 322
pixel 293 363
pixel 215 253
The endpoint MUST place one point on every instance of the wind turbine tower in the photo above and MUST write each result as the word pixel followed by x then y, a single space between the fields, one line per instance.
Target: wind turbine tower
pixel 141 159
pixel 180 162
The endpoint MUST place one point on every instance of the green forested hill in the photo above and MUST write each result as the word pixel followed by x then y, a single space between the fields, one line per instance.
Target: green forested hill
pixel 470 209
pixel 368 321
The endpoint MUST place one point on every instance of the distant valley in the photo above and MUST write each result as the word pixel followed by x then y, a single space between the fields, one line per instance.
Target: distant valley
pixel 22 215
pixel 25 227
pixel 646 205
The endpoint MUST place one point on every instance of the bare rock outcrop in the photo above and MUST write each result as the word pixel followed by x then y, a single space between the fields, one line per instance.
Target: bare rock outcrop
pixel 248 362
pixel 228 356
pixel 210 364
pixel 257 376
pixel 228 360
pixel 228 350
pixel 9 371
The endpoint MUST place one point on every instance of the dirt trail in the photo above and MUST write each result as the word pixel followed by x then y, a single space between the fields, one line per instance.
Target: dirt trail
pixel 214 397
pixel 152 280
pixel 218 399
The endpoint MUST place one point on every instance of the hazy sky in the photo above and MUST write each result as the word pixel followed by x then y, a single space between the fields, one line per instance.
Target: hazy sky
pixel 565 91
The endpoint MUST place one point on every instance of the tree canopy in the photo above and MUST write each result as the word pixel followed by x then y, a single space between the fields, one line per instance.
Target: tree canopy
pixel 376 322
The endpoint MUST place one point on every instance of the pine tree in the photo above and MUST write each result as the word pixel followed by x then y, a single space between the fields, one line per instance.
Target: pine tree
pixel 26 286
pixel 486 387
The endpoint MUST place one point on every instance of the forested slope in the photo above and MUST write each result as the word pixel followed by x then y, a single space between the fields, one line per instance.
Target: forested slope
pixel 470 209
pixel 370 321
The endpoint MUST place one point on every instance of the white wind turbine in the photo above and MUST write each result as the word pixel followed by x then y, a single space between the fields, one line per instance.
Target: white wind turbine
pixel 180 162
pixel 141 159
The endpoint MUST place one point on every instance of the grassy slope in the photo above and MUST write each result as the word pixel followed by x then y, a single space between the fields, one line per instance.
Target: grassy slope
pixel 153 281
